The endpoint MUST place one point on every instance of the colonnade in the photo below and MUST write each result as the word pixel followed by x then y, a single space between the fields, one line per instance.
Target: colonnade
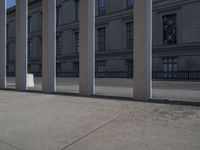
pixel 142 54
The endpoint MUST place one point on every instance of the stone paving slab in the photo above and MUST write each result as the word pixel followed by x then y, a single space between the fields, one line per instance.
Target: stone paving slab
pixel 40 122
pixel 32 121
pixel 147 127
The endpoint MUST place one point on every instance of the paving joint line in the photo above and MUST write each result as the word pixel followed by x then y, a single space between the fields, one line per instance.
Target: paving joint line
pixel 98 128
pixel 9 145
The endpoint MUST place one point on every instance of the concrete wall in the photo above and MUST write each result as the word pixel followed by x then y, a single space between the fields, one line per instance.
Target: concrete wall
pixel 191 23
pixel 190 63
pixel 114 35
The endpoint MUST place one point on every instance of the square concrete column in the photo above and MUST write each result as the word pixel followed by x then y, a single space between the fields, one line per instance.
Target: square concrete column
pixel 142 49
pixel 87 47
pixel 3 44
pixel 21 44
pixel 49 46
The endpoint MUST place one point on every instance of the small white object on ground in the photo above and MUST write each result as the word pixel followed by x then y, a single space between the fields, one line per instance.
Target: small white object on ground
pixel 30 80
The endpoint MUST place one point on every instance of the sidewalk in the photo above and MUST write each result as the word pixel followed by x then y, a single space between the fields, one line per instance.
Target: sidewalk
pixel 31 121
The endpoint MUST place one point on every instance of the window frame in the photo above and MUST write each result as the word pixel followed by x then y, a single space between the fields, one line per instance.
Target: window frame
pixel 174 41
pixel 170 67
pixel 100 66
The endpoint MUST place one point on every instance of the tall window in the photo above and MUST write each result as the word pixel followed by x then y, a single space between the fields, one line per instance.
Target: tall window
pixel 40 47
pixel 170 67
pixel 58 67
pixel 129 35
pixel 40 20
pixel 58 15
pixel 7 49
pixel 30 24
pixel 101 7
pixel 76 69
pixel 77 10
pixel 29 49
pixel 169 29
pixel 129 63
pixel 101 33
pixel 7 29
pixel 76 42
pixel 100 66
pixel 129 4
pixel 59 45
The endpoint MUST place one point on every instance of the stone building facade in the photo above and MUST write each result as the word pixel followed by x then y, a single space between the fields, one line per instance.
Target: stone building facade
pixel 176 38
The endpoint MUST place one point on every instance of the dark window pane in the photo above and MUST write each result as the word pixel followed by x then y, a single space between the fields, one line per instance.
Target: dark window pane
pixel 129 35
pixel 76 42
pixel 100 66
pixel 77 10
pixel 30 24
pixel 170 67
pixel 101 7
pixel 59 45
pixel 129 4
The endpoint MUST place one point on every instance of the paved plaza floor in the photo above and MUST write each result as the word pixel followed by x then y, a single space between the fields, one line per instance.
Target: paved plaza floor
pixel 167 90
pixel 37 121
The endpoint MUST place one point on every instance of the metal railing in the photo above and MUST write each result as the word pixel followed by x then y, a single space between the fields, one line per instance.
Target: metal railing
pixel 114 74
pixel 159 75
pixel 180 75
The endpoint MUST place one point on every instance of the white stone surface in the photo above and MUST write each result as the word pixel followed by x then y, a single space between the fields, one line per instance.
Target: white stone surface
pixel 87 47
pixel 21 44
pixel 3 44
pixel 142 49
pixel 49 46
pixel 30 80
